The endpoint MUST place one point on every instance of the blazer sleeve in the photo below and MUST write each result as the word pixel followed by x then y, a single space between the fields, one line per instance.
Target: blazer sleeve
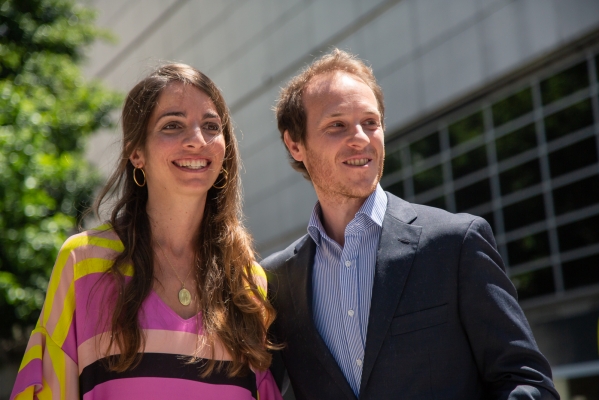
pixel 505 351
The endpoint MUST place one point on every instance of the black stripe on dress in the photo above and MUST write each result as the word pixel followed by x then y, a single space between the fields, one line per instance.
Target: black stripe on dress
pixel 163 365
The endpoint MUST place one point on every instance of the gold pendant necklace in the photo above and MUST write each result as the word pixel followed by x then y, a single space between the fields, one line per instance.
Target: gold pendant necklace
pixel 184 294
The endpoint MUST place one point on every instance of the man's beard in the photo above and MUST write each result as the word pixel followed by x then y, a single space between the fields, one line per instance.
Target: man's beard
pixel 323 178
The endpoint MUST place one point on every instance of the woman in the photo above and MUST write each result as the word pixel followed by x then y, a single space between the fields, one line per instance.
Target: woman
pixel 165 300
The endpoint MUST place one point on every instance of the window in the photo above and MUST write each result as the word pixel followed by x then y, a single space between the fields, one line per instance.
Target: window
pixel 526 159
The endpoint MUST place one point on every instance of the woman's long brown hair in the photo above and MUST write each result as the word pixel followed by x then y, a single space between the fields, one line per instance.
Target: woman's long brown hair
pixel 233 311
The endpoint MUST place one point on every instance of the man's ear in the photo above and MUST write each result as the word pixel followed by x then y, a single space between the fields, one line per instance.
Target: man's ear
pixel 296 149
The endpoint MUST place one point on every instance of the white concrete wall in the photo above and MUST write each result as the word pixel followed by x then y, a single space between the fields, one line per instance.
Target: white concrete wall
pixel 425 54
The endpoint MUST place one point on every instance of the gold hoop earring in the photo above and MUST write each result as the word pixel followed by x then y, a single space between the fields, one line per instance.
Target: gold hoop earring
pixel 135 177
pixel 226 181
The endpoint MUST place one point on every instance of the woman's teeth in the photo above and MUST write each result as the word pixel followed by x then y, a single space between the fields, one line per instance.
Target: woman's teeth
pixel 358 161
pixel 192 164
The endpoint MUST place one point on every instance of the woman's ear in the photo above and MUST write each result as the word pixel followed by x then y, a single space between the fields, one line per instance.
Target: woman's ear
pixel 137 158
pixel 296 149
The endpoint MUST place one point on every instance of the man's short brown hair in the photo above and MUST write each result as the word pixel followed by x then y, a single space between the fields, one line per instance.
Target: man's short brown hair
pixel 290 112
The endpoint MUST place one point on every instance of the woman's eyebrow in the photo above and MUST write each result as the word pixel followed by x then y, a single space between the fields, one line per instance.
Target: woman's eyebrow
pixel 172 114
pixel 210 115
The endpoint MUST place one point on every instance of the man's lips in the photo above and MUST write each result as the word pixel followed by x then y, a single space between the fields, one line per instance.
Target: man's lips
pixel 357 162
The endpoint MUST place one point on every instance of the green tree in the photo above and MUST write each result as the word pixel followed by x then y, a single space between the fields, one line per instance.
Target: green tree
pixel 47 110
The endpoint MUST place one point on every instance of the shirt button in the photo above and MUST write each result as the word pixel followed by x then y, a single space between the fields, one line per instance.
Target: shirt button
pixel 359 362
pixel 350 313
pixel 348 263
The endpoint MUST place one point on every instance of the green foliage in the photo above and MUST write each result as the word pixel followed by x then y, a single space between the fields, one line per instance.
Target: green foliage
pixel 47 111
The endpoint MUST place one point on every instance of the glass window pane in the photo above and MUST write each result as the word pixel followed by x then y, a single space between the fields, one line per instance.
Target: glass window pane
pixel 581 272
pixel 576 195
pixel 524 213
pixel 469 162
pixel 578 234
pixel 516 142
pixel 473 195
pixel 528 248
pixel 569 120
pixel 396 189
pixel 512 107
pixel 565 83
pixel 520 177
pixel 534 283
pixel 439 202
pixel 392 162
pixel 425 148
pixel 573 157
pixel 428 179
pixel 466 129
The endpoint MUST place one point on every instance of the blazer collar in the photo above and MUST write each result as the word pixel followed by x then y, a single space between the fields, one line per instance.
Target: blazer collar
pixel 299 276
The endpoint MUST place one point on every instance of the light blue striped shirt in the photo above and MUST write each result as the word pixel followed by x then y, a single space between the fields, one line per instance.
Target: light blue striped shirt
pixel 342 283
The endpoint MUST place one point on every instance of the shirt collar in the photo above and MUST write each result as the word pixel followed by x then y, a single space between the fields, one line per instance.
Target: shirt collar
pixel 372 210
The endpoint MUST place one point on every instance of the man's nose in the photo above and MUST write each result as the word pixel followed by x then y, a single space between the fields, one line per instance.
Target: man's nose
pixel 358 136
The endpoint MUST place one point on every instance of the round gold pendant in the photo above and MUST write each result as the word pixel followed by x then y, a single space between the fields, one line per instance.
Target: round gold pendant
pixel 184 297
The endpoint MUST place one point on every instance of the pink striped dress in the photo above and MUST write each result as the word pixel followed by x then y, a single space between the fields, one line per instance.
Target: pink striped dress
pixel 64 357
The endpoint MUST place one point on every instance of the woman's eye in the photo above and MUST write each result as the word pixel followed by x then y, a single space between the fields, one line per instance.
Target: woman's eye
pixel 212 127
pixel 171 125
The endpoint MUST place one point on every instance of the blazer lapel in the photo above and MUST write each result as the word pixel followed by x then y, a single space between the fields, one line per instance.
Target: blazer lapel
pixel 299 280
pixel 395 254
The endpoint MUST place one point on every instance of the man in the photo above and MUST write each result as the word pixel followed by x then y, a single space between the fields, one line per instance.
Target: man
pixel 384 299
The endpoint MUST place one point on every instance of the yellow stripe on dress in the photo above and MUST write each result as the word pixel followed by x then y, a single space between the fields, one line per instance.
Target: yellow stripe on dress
pixel 65 252
pixel 81 269
pixel 27 394
pixel 57 358
pixel 34 353
pixel 258 272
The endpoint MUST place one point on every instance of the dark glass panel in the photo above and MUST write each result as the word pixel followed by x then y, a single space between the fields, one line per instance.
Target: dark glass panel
pixel 425 147
pixel 576 195
pixel 578 234
pixel 569 120
pixel 581 272
pixel 520 177
pixel 466 129
pixel 573 157
pixel 469 162
pixel 534 283
pixel 516 142
pixel 428 179
pixel 565 83
pixel 439 202
pixel 528 248
pixel 512 107
pixel 473 195
pixel 392 162
pixel 524 213
pixel 396 189
pixel 490 219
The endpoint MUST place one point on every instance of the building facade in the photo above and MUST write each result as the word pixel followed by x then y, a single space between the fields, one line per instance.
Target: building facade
pixel 492 108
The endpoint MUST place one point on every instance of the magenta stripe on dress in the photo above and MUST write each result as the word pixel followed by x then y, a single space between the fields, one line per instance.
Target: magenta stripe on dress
pixel 28 376
pixel 165 388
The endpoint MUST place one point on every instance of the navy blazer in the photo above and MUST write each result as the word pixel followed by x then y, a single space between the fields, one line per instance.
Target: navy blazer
pixel 444 319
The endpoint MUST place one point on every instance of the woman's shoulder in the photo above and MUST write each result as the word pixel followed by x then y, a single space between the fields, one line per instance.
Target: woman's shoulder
pixel 102 237
pixel 259 277
pixel 89 250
